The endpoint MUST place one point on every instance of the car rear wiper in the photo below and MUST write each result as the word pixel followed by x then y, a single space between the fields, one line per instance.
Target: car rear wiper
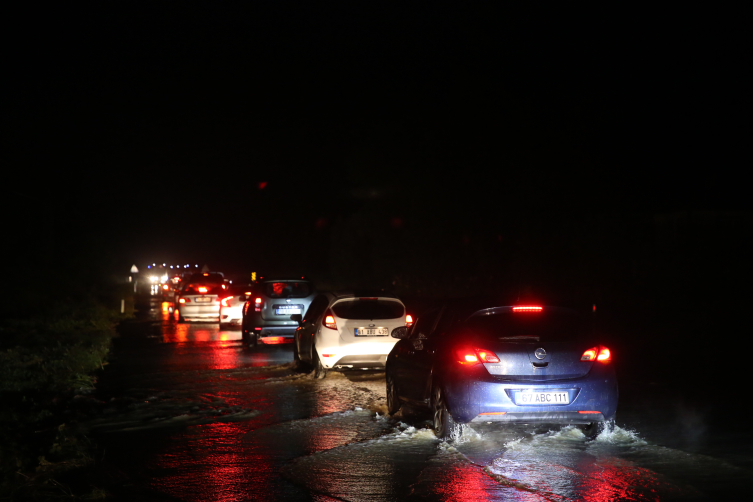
pixel 520 337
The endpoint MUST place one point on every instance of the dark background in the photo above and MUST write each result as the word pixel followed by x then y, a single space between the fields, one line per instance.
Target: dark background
pixel 577 156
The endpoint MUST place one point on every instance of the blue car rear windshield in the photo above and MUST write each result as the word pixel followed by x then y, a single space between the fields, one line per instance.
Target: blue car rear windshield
pixel 368 309
pixel 533 326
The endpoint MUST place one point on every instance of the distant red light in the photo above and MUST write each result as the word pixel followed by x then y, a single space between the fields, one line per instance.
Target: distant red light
pixel 527 309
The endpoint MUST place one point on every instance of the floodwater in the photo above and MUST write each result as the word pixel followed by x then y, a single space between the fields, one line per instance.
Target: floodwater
pixel 189 414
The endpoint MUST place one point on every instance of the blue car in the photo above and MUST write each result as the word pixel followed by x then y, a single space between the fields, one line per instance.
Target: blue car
pixel 474 361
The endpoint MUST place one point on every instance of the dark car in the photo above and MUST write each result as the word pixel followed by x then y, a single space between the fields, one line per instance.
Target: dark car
pixel 266 314
pixel 476 362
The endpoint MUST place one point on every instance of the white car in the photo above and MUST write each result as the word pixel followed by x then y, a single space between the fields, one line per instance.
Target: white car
pixel 347 331
pixel 231 306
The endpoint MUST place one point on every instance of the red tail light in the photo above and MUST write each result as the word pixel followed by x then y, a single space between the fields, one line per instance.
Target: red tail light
pixel 409 320
pixel 165 287
pixel 203 289
pixel 329 320
pixel 224 301
pixel 184 300
pixel 257 305
pixel 470 357
pixel 527 309
pixel 245 308
pixel 601 354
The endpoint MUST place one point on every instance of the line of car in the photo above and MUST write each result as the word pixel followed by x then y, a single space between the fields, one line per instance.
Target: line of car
pixel 464 361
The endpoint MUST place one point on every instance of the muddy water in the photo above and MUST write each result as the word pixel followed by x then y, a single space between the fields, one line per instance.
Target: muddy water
pixel 188 414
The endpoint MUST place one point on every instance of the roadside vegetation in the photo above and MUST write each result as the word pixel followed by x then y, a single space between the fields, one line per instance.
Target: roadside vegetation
pixel 49 358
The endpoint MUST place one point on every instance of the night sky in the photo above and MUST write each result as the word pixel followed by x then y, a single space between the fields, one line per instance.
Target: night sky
pixel 251 136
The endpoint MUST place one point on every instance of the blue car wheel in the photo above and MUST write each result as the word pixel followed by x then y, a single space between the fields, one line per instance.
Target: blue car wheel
pixel 443 421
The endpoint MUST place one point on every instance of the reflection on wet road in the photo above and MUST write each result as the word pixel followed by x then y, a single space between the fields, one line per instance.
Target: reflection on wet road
pixel 189 414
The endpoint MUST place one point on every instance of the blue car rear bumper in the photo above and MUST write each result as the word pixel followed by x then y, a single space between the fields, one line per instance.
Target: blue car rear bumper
pixel 477 396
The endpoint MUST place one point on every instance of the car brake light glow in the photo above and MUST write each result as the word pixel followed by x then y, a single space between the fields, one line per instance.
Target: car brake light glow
pixel 588 412
pixel 527 309
pixel 257 329
pixel 601 354
pixel 408 320
pixel 467 356
pixel 272 340
pixel 245 308
pixel 329 320
pixel 328 355
pixel 257 305
pixel 224 301
pixel 487 356
pixel 184 300
pixel 165 287
pixel 202 289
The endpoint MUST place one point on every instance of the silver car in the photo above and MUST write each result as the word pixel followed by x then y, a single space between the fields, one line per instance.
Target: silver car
pixel 199 298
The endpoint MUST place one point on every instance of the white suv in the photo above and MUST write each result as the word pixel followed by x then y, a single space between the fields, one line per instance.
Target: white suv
pixel 346 330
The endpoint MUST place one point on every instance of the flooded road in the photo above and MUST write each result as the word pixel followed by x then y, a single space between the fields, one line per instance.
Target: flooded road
pixel 189 414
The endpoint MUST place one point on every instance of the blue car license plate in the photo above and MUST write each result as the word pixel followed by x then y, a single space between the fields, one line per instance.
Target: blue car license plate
pixel 532 397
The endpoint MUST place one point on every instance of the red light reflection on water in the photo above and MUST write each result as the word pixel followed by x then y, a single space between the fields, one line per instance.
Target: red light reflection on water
pixel 219 467
pixel 460 483
pixel 616 479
